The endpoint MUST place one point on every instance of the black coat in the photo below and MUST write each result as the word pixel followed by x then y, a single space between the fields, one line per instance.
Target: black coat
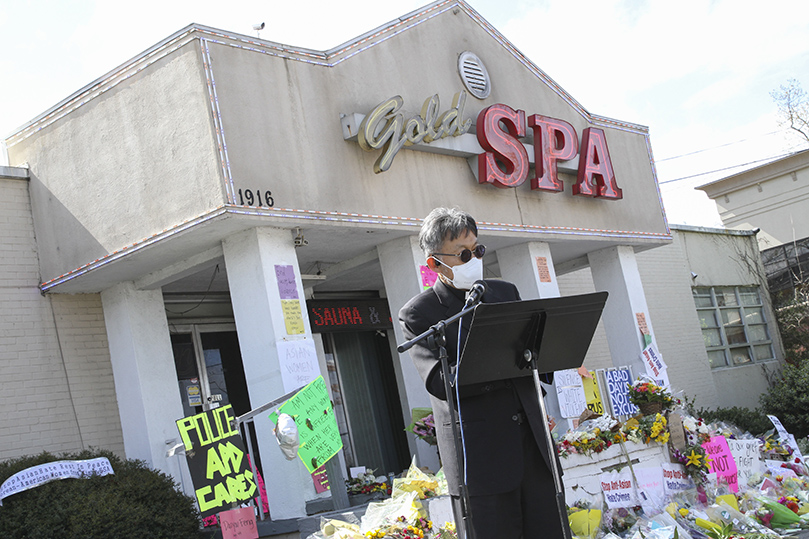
pixel 489 411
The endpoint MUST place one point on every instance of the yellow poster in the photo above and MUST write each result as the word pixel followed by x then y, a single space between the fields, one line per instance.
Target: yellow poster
pixel 591 393
pixel 292 316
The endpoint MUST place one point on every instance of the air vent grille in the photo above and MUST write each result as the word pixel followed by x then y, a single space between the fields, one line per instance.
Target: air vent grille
pixel 474 75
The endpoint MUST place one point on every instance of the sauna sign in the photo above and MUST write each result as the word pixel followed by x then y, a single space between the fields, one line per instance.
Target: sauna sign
pixel 502 158
pixel 216 460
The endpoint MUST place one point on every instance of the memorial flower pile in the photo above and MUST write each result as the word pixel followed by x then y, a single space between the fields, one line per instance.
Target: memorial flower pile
pixel 367 483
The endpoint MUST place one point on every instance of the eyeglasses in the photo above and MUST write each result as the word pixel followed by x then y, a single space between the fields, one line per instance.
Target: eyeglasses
pixel 466 254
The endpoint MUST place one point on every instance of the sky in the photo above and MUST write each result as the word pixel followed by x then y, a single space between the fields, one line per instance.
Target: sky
pixel 698 73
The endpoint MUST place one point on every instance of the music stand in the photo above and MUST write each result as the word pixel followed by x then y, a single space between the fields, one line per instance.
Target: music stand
pixel 522 338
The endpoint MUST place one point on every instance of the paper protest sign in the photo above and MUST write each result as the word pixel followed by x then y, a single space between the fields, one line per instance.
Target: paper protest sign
pixel 618 381
pixel 655 366
pixel 45 473
pixel 721 459
pixel 591 393
pixel 650 482
pixel 570 391
pixel 238 524
pixel 746 455
pixel 675 480
pixel 216 460
pixel 618 489
pixel 317 427
pixel 782 432
pixel 297 360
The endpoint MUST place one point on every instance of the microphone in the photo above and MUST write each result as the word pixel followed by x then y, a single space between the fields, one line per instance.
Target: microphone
pixel 475 294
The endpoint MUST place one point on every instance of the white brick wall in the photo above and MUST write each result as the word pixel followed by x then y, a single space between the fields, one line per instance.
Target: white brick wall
pixel 44 343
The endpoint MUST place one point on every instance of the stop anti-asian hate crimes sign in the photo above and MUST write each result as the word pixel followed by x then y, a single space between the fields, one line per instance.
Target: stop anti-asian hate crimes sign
pixel 216 460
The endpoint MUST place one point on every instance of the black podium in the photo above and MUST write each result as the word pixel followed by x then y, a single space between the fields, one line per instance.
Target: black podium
pixel 526 338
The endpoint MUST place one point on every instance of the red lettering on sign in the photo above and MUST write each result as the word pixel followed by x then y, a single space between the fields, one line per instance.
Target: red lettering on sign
pixel 554 140
pixel 596 177
pixel 505 161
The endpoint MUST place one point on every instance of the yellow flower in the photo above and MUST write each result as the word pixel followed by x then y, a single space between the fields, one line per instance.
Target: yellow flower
pixel 683 511
pixel 694 458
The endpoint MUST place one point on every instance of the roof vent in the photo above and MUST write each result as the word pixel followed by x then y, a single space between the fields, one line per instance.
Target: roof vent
pixel 474 75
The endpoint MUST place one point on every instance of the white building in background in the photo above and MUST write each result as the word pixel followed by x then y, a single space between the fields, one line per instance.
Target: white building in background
pixel 172 226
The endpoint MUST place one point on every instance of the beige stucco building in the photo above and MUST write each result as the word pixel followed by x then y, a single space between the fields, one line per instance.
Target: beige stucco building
pixel 179 225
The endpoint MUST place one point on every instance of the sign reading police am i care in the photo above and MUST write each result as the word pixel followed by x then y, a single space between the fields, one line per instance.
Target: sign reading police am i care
pixel 216 460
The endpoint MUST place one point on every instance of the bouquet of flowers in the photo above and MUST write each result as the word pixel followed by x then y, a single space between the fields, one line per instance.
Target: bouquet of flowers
pixel 423 425
pixel 644 390
pixel 695 460
pixel 647 429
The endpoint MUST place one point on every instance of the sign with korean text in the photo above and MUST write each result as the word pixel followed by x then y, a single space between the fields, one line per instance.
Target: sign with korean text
pixel 721 459
pixel 618 381
pixel 317 427
pixel 45 473
pixel 216 460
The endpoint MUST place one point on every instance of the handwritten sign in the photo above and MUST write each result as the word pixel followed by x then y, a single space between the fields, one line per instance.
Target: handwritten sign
pixel 216 460
pixel 297 360
pixel 238 524
pixel 675 480
pixel 746 455
pixel 60 469
pixel 293 319
pixel 722 463
pixel 618 381
pixel 570 392
pixel 543 270
pixel 591 393
pixel 287 285
pixel 619 490
pixel 317 428
pixel 321 480
pixel 428 277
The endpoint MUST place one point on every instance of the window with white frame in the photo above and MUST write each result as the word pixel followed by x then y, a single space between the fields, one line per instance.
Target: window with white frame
pixel 734 326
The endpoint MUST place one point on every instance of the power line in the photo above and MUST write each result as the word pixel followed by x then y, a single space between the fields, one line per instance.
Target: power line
pixel 727 168
pixel 716 147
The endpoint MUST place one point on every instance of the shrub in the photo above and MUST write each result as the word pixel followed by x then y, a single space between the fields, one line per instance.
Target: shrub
pixel 134 502
pixel 788 398
pixel 753 421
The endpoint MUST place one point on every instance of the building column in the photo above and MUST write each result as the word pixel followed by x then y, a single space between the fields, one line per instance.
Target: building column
pixel 145 378
pixel 401 260
pixel 530 267
pixel 615 270
pixel 251 258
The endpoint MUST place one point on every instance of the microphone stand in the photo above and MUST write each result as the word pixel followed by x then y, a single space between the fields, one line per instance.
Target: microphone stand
pixel 436 338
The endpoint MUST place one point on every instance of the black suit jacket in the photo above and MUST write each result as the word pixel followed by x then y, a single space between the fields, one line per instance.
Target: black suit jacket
pixel 492 435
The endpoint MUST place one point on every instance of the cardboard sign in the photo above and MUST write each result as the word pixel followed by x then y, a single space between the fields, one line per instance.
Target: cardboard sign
pixel 51 471
pixel 238 524
pixel 297 360
pixel 722 463
pixel 216 460
pixel 618 381
pixel 675 480
pixel 619 490
pixel 676 432
pixel 570 392
pixel 747 457
pixel 317 427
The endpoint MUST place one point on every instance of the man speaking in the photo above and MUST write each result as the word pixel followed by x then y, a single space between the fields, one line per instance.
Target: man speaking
pixel 507 465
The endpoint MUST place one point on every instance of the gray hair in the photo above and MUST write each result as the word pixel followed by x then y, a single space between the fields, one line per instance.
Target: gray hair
pixel 444 224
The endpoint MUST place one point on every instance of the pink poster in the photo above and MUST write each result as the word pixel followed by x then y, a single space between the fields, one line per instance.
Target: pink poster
pixel 722 463
pixel 428 277
pixel 321 479
pixel 238 524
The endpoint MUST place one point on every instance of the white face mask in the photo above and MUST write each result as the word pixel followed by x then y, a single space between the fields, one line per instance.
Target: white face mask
pixel 466 274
